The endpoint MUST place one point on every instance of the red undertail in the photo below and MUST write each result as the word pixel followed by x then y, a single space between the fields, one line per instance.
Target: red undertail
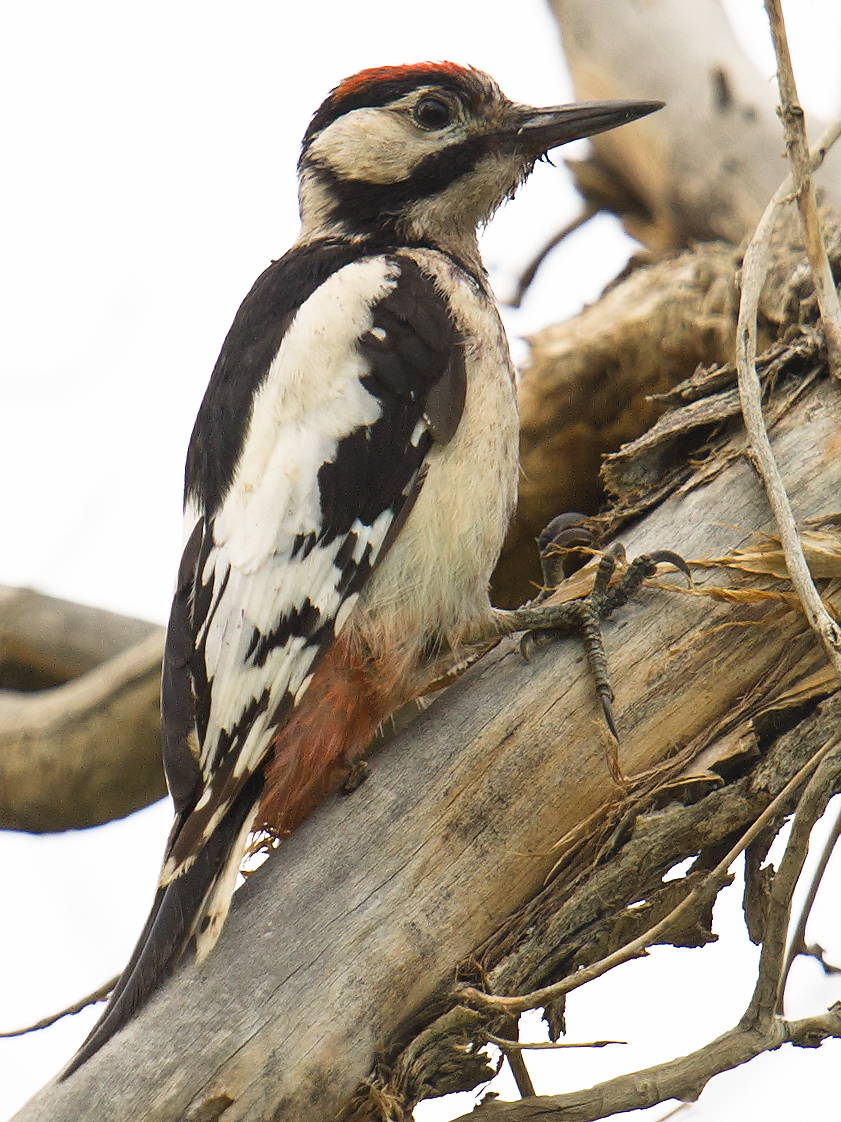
pixel 348 699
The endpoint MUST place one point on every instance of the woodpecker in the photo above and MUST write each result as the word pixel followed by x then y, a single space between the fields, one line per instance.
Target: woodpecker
pixel 349 480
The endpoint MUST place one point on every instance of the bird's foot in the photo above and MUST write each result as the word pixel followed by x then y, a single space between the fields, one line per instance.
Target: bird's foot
pixel 544 622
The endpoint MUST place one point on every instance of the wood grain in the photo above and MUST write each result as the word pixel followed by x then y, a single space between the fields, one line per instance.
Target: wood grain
pixel 359 919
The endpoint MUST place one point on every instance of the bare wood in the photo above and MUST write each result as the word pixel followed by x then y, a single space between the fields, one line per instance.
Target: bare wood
pixel 706 890
pixel 86 750
pixel 357 922
pixel 613 891
pixel 705 167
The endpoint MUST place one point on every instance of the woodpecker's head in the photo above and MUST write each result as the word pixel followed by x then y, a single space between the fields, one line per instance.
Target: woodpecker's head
pixel 427 152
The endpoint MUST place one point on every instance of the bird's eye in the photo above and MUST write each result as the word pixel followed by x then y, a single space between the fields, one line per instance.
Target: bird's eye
pixel 432 113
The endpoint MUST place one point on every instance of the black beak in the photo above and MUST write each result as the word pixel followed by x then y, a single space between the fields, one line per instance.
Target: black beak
pixel 542 129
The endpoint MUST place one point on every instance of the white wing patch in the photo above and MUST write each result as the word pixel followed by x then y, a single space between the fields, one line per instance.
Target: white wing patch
pixel 311 399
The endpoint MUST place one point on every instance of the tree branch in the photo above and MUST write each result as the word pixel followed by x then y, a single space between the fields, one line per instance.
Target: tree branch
pixel 346 939
pixel 797 944
pixel 768 993
pixel 706 890
pixel 99 994
pixel 79 715
pixel 683 1078
pixel 759 1030
pixel 706 166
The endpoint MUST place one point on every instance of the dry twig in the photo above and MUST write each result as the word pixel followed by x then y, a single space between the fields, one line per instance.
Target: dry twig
pixel 77 1006
pixel 520 1072
pixel 761 1029
pixel 750 394
pixel 711 883
pixel 797 944
pixel 797 147
pixel 528 274
pixel 767 996
pixel 546 1045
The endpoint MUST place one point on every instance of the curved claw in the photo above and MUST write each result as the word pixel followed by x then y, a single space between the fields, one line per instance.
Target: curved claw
pixel 562 524
pixel 607 710
pixel 613 555
pixel 563 545
pixel 667 557
pixel 542 624
pixel 576 537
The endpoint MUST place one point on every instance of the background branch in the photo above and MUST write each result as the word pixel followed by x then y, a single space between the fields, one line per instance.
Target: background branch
pixel 710 162
pixel 79 714
pixel 683 1078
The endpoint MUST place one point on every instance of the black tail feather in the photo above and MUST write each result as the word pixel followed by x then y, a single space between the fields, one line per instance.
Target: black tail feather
pixel 168 929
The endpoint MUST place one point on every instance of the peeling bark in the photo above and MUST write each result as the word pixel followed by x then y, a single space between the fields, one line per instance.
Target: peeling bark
pixel 347 940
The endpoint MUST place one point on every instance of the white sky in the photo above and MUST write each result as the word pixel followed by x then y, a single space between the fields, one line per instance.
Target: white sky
pixel 149 177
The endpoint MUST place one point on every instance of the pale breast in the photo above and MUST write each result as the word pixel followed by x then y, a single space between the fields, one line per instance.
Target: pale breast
pixel 435 577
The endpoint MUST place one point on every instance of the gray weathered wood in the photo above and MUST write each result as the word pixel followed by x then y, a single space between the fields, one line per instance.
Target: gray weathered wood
pixel 360 917
pixel 84 748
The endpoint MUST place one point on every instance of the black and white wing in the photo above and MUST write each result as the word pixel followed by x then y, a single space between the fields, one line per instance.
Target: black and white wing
pixel 368 373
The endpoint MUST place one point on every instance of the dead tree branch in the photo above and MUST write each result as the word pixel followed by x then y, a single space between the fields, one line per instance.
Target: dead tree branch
pixel 705 167
pixel 683 1078
pixel 79 714
pixel 760 1030
pixel 702 894
pixel 797 943
pixel 347 938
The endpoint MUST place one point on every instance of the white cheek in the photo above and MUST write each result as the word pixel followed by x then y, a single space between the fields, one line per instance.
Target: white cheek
pixel 378 145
